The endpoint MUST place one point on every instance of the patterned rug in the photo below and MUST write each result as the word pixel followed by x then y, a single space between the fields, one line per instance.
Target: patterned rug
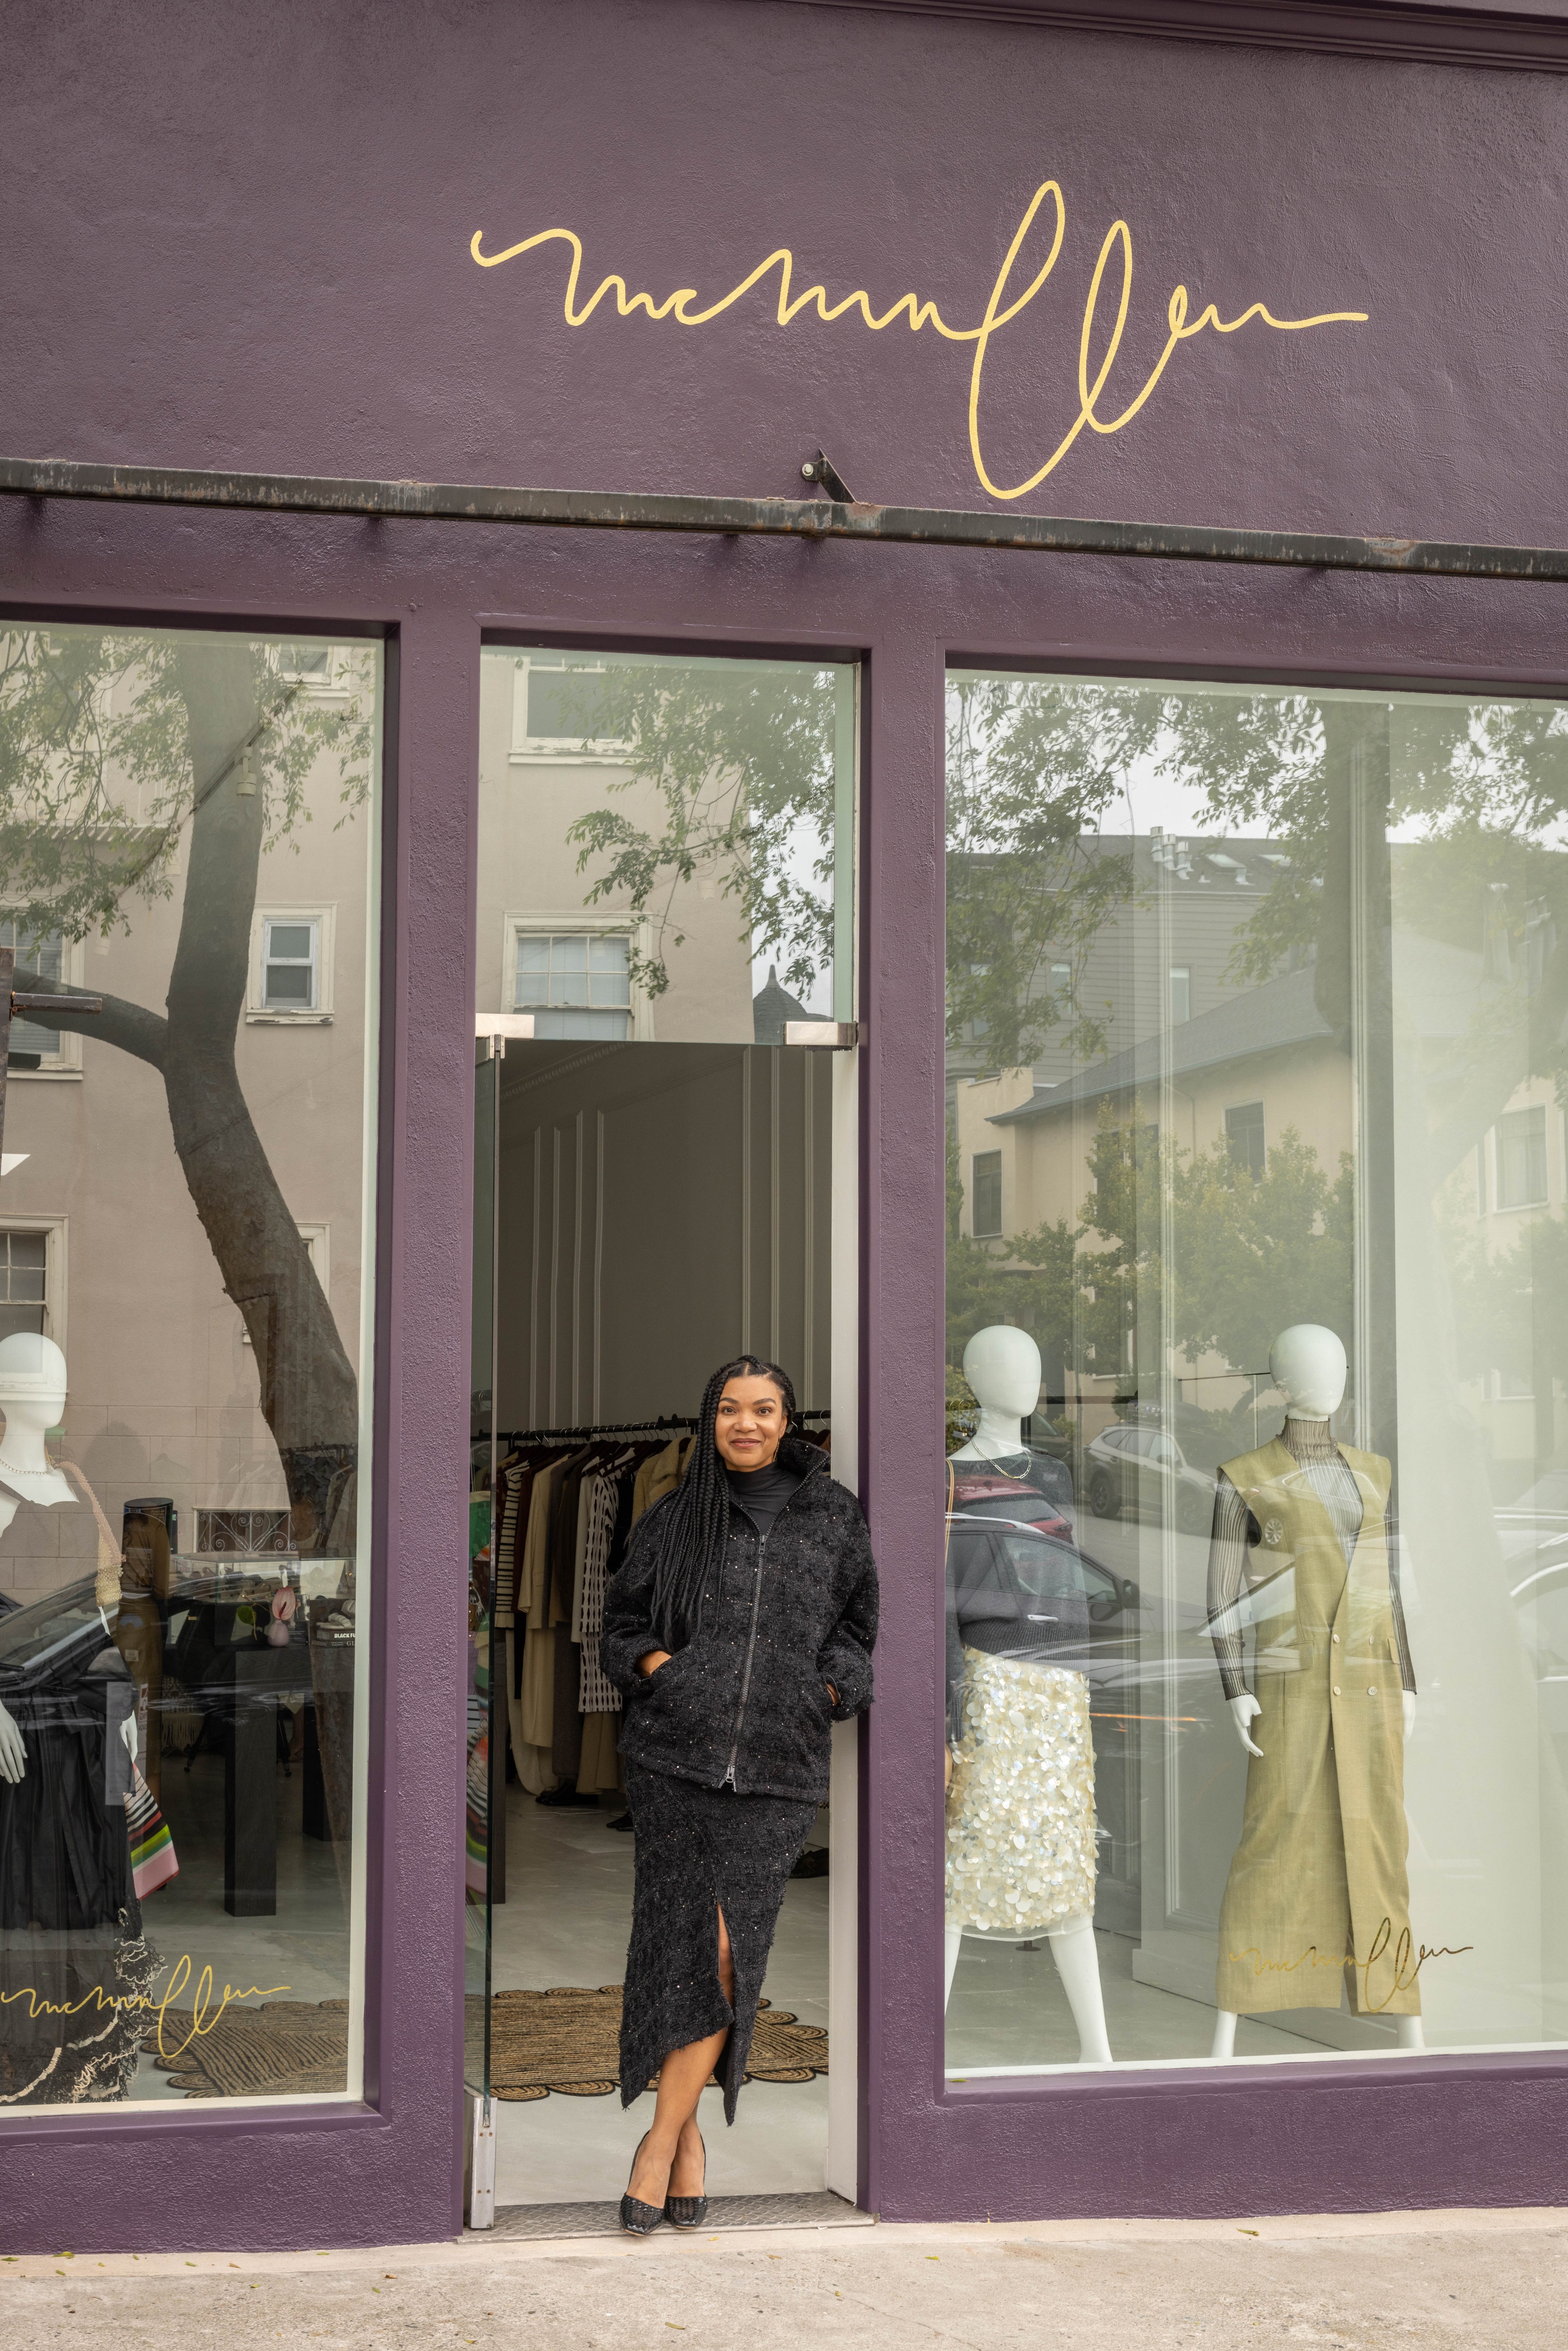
pixel 564 2040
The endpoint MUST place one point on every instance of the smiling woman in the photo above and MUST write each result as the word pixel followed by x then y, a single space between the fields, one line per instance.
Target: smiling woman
pixel 740 1627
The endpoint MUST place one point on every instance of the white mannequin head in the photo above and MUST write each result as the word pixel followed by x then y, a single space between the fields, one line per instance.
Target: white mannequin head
pixel 1002 1366
pixel 32 1381
pixel 1308 1363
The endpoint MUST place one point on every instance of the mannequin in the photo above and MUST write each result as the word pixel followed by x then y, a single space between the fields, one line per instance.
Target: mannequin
pixel 76 1969
pixel 1002 1367
pixel 988 1602
pixel 1296 1507
pixel 33 1390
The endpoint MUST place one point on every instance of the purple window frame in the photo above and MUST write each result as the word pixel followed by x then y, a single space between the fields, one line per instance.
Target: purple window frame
pixel 1350 2135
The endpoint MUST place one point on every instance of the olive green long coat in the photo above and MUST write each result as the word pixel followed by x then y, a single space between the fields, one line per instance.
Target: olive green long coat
pixel 1318 1893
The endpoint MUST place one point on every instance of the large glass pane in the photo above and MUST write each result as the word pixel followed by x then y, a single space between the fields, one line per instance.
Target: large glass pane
pixel 657 839
pixel 1258 1409
pixel 187 862
pixel 665 883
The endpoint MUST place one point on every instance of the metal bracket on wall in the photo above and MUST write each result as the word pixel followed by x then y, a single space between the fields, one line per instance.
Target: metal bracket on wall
pixel 493 1028
pixel 821 468
pixel 823 1036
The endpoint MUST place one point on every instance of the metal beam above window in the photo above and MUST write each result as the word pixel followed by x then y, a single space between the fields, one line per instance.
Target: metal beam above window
pixel 772 518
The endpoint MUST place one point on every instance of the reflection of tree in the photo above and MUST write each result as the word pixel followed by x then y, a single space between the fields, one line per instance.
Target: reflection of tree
pixel 1249 1255
pixel 1434 827
pixel 739 758
pixel 1025 888
pixel 112 748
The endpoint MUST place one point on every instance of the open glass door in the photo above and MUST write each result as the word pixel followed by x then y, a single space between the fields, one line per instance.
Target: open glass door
pixel 665 1154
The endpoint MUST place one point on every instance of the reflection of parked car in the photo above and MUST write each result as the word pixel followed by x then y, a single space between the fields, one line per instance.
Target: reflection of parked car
pixel 1143 1469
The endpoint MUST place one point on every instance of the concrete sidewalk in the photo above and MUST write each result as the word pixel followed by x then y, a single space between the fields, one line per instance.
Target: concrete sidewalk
pixel 1454 2279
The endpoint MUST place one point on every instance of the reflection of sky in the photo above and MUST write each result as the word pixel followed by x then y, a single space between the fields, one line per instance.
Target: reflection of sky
pixel 797 856
pixel 1146 798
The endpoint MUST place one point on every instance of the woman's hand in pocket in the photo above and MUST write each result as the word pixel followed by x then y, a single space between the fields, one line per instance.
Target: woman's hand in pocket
pixel 649 1666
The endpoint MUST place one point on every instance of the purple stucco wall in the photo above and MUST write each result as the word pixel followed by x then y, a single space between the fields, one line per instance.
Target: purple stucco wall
pixel 241 240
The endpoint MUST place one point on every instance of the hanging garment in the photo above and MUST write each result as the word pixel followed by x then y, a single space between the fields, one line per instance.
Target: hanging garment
pixel 662 1475
pixel 596 1693
pixel 1318 1893
pixel 152 1856
pixel 598 1765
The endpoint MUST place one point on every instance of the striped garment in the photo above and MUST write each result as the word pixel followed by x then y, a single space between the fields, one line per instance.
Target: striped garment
pixel 152 1860
pixel 596 1693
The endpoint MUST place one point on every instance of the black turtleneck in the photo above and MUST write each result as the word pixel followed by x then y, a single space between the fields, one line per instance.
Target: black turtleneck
pixel 762 1493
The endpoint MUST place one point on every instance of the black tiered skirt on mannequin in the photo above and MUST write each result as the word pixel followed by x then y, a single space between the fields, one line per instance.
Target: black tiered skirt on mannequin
pixel 698 1851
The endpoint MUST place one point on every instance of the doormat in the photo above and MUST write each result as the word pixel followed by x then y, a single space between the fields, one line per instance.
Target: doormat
pixel 564 2040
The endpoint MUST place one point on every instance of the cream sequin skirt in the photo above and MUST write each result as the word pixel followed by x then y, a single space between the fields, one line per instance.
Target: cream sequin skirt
pixel 1021 1811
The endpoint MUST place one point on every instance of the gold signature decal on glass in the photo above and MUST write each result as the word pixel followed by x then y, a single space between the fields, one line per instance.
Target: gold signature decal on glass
pixel 1405 1975
pixel 1115 260
pixel 180 1975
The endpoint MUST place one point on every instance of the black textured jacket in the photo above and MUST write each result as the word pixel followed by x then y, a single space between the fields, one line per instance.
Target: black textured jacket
pixel 745 1701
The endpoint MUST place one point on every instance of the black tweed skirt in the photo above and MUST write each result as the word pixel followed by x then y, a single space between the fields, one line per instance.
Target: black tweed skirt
pixel 700 1850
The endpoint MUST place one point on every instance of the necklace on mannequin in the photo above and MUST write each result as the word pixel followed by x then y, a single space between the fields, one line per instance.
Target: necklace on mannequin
pixel 13 1469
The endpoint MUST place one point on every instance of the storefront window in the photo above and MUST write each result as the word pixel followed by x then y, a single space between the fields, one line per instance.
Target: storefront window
pixel 1257 1529
pixel 665 1182
pixel 187 836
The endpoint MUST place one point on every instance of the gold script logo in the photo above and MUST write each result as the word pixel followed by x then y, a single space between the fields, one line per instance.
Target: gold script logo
pixel 1111 283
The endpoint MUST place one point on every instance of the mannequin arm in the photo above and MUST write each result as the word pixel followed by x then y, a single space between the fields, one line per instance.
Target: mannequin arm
pixel 1243 1710
pixel 1410 1697
pixel 13 1753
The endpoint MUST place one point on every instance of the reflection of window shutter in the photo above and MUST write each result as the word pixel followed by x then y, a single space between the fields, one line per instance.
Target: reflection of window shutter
pixel 988 1193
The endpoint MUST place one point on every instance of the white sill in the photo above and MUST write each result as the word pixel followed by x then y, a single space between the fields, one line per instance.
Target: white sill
pixel 611 756
pixel 289 1020
pixel 52 1077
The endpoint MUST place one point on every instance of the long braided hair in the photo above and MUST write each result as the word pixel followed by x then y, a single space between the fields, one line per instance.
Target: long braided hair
pixel 690 1528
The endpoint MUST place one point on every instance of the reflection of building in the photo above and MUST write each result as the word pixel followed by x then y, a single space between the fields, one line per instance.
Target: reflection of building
pixel 1198 892
pixel 1248 1065
pixel 103 1249
pixel 547 945
pixel 1238 1077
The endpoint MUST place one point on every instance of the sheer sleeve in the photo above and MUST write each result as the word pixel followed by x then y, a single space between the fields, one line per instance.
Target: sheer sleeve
pixel 1396 1607
pixel 1227 1581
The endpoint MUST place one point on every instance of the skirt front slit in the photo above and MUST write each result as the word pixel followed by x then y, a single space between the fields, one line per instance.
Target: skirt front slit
pixel 700 1850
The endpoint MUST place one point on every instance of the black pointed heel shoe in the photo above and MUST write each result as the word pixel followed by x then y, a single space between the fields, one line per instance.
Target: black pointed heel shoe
pixel 688 2211
pixel 639 2219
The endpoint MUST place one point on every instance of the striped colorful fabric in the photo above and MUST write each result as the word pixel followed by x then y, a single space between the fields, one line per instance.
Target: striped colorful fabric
pixel 152 1859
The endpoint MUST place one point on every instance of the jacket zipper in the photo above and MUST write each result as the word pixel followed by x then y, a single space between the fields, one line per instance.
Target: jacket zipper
pixel 729 1780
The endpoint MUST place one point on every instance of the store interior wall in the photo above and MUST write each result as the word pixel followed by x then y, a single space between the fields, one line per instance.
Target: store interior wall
pixel 660 1207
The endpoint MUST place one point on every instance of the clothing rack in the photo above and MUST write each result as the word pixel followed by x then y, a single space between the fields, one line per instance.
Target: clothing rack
pixel 664 1424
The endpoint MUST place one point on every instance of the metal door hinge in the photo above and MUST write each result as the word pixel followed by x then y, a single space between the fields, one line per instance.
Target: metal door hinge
pixel 493 1029
pixel 479 2165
